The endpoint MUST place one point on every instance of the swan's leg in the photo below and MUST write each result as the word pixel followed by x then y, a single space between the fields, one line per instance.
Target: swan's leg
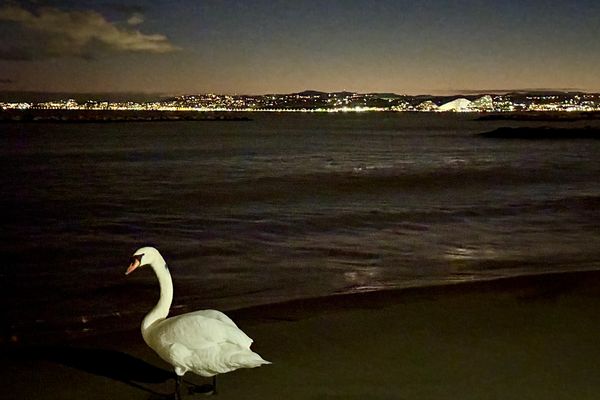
pixel 214 383
pixel 177 387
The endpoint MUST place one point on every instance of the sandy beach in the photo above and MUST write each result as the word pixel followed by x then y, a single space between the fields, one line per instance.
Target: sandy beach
pixel 532 337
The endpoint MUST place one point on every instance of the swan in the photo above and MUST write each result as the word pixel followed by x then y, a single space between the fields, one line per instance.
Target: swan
pixel 205 342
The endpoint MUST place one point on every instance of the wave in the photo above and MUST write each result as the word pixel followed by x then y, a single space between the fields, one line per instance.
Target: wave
pixel 576 212
pixel 338 184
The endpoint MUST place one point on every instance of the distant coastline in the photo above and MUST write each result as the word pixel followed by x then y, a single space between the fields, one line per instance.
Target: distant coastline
pixel 316 101
pixel 107 116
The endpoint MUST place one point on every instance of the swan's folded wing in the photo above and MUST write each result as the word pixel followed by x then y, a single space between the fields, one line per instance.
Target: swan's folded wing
pixel 214 314
pixel 198 331
pixel 216 359
pixel 179 356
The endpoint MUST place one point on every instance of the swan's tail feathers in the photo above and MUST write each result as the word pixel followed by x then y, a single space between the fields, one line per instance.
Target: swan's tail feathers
pixel 247 359
pixel 224 358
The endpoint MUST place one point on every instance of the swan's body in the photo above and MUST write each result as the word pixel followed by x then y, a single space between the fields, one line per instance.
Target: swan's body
pixel 204 342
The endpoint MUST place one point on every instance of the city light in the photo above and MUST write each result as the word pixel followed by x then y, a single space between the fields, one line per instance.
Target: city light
pixel 330 102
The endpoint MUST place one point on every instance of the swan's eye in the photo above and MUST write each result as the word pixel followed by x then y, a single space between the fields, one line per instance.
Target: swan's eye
pixel 137 257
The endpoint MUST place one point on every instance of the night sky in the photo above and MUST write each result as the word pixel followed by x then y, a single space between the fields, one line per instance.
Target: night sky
pixel 256 47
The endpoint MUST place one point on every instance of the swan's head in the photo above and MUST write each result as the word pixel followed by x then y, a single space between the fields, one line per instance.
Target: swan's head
pixel 142 257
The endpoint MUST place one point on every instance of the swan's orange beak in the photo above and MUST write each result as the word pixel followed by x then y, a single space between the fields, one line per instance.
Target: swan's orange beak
pixel 135 262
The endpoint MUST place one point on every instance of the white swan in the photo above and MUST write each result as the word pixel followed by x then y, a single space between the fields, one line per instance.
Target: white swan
pixel 204 342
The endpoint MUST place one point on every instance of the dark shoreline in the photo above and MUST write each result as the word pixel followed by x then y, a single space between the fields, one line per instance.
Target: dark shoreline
pixel 547 285
pixel 502 338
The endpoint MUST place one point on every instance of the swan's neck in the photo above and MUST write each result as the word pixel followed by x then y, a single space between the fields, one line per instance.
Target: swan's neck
pixel 161 310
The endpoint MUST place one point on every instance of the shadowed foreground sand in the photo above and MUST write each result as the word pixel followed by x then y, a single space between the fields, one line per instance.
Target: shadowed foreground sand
pixel 519 338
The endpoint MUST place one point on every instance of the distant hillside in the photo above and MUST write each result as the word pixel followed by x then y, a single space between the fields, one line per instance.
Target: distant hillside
pixel 310 93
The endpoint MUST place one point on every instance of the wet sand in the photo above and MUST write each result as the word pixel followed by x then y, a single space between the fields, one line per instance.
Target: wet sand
pixel 531 337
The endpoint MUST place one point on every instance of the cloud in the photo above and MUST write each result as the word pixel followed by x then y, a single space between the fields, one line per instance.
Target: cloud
pixel 53 33
pixel 135 19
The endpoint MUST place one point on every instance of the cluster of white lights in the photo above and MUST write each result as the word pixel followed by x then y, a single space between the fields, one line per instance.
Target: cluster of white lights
pixel 223 103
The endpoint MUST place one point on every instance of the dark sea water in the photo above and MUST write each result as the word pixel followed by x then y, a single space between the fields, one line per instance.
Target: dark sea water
pixel 285 206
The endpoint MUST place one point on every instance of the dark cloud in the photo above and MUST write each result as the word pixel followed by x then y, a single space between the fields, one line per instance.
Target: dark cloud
pixel 54 33
pixel 15 53
pixel 72 4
